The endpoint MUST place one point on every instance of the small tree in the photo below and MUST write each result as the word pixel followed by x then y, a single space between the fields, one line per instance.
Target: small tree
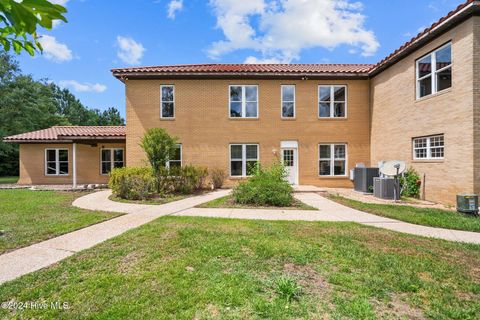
pixel 160 148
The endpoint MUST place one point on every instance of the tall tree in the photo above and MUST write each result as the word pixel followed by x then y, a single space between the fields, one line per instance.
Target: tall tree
pixel 19 21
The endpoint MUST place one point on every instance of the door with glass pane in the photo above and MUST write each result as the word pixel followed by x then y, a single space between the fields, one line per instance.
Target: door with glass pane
pixel 289 158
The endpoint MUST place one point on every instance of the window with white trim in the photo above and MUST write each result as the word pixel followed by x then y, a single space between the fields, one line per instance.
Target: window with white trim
pixel 176 160
pixel 332 101
pixel 434 71
pixel 243 159
pixel 167 101
pixel 56 162
pixel 427 148
pixel 243 101
pixel 332 159
pixel 288 101
pixel 111 158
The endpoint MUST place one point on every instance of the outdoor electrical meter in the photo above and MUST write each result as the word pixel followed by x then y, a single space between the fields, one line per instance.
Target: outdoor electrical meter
pixel 467 203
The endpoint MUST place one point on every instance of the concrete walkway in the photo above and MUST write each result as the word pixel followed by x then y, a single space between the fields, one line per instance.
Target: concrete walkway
pixel 25 260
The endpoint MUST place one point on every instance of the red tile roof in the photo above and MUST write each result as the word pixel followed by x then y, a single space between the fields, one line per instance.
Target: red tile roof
pixel 216 68
pixel 279 70
pixel 65 133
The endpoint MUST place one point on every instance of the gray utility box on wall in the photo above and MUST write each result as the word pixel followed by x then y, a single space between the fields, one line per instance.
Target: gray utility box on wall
pixel 384 188
pixel 363 179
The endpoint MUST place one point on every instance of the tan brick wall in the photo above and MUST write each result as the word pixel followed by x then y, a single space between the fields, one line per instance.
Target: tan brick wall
pixel 32 164
pixel 397 117
pixel 476 103
pixel 205 130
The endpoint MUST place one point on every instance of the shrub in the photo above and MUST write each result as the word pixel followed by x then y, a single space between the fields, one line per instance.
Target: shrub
pixel 217 176
pixel 410 183
pixel 132 183
pixel 265 187
pixel 186 179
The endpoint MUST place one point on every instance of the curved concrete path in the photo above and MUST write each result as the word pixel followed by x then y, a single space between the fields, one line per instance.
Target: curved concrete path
pixel 40 255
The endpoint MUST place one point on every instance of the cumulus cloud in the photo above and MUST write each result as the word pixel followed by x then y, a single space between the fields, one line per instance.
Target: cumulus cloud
pixel 54 50
pixel 255 60
pixel 82 87
pixel 280 29
pixel 173 7
pixel 129 51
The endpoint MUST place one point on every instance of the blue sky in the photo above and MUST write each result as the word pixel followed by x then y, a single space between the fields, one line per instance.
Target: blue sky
pixel 105 34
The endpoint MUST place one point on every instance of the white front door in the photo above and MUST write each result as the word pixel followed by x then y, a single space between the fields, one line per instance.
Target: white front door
pixel 289 158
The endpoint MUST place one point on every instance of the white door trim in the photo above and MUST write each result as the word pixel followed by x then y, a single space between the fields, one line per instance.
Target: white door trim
pixel 291 145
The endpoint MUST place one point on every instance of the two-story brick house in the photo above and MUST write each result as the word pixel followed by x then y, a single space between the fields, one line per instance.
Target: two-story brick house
pixel 419 105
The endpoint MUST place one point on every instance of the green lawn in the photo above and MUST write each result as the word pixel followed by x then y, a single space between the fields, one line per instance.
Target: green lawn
pixel 8 180
pixel 199 268
pixel 423 216
pixel 229 202
pixel 27 217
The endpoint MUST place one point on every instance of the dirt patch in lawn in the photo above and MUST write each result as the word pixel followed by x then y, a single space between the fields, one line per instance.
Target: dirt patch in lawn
pixel 397 308
pixel 312 282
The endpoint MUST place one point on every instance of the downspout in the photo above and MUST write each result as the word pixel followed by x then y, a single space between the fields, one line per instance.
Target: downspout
pixel 74 166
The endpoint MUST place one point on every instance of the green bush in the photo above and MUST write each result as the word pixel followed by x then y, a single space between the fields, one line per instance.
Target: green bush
pixel 132 183
pixel 266 187
pixel 410 183
pixel 217 176
pixel 186 179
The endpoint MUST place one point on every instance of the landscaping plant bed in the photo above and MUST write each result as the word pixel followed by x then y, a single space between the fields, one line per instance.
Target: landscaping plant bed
pixel 160 199
pixel 229 202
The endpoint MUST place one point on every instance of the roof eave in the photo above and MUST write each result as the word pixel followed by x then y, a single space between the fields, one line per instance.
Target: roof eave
pixel 123 76
pixel 470 10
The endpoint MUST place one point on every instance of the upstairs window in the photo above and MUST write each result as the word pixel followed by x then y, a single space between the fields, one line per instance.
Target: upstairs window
pixel 56 162
pixel 288 101
pixel 111 158
pixel 332 101
pixel 244 101
pixel 167 101
pixel 428 148
pixel 176 160
pixel 434 71
pixel 332 159
pixel 243 158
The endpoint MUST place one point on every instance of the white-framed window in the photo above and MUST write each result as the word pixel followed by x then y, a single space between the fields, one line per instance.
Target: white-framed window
pixel 243 101
pixel 427 148
pixel 332 159
pixel 288 101
pixel 434 71
pixel 243 158
pixel 56 162
pixel 167 101
pixel 111 158
pixel 332 101
pixel 176 160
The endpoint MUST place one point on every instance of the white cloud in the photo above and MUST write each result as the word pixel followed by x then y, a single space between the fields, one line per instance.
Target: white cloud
pixel 255 60
pixel 54 50
pixel 82 87
pixel 60 2
pixel 174 6
pixel 280 29
pixel 130 51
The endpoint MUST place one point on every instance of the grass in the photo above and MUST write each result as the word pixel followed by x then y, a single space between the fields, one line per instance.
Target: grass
pixel 229 202
pixel 422 216
pixel 199 268
pixel 27 217
pixel 8 180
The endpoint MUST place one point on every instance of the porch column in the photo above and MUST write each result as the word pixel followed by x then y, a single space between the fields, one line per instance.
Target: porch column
pixel 74 165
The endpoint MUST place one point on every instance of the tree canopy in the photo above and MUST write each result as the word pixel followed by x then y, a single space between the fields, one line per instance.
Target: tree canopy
pixel 27 104
pixel 19 21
